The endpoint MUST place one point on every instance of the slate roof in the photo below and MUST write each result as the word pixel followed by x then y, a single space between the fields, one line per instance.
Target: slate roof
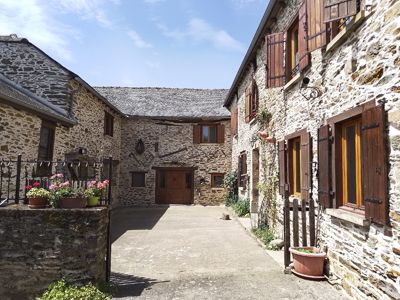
pixel 16 95
pixel 168 102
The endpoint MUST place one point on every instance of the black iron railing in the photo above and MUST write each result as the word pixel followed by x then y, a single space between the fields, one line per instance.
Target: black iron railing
pixel 17 174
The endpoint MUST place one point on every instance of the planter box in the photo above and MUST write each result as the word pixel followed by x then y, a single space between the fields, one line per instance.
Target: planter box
pixel 72 202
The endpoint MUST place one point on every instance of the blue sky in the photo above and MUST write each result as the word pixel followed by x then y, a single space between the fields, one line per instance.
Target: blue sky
pixel 166 43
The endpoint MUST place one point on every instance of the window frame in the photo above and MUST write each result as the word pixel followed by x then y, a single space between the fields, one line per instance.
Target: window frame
pixel 242 172
pixel 292 68
pixel 209 126
pixel 108 124
pixel 254 101
pixel 133 173
pixel 213 175
pixel 295 169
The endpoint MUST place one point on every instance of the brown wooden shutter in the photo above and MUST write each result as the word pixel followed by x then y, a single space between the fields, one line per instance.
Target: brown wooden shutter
pixel 374 165
pixel 282 167
pixel 316 27
pixel 234 120
pixel 338 9
pixel 244 174
pixel 304 55
pixel 247 106
pixel 275 59
pixel 324 167
pixel 306 172
pixel 196 134
pixel 220 133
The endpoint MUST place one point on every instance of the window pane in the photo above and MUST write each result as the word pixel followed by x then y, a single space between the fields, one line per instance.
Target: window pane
pixel 138 179
pixel 218 181
pixel 297 150
pixel 213 134
pixel 351 164
pixel 205 133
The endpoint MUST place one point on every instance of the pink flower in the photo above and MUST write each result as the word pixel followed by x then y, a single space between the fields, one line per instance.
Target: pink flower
pixel 36 184
pixel 64 184
pixel 28 187
pixel 53 187
pixel 106 182
pixel 100 186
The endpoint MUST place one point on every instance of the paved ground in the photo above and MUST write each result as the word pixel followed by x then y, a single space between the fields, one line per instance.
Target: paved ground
pixel 188 252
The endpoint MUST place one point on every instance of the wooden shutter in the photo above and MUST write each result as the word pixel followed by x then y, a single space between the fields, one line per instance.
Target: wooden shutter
pixel 196 134
pixel 304 55
pixel 316 27
pixel 338 9
pixel 275 59
pixel 243 169
pixel 247 105
pixel 220 133
pixel 306 172
pixel 282 167
pixel 374 165
pixel 234 120
pixel 324 166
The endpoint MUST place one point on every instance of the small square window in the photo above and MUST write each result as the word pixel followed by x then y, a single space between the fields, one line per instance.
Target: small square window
pixel 209 134
pixel 217 180
pixel 138 179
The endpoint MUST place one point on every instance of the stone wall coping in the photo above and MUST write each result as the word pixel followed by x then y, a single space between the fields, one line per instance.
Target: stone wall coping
pixel 347 216
pixel 22 207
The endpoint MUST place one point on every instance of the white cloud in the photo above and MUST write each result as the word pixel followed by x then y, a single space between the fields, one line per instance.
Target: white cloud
pixel 153 64
pixel 153 1
pixel 200 31
pixel 32 19
pixel 138 40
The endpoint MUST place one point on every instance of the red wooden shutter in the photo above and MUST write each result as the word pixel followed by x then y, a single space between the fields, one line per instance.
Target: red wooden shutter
pixel 304 55
pixel 247 105
pixel 220 133
pixel 306 172
pixel 196 134
pixel 374 165
pixel 275 59
pixel 338 9
pixel 316 27
pixel 282 167
pixel 324 167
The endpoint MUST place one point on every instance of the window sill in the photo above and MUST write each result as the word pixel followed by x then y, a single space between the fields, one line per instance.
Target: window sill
pixel 348 216
pixel 218 189
pixel 342 35
pixel 292 82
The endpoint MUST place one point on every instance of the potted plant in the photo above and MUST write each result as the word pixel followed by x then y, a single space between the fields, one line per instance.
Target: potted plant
pixel 65 196
pixel 308 262
pixel 94 190
pixel 38 197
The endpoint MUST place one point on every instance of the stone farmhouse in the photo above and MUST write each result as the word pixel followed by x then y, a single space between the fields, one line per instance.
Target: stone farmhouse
pixel 169 146
pixel 321 78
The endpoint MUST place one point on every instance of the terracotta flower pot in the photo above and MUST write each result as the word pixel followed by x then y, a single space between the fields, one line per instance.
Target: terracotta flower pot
pixel 73 202
pixel 309 265
pixel 93 201
pixel 38 202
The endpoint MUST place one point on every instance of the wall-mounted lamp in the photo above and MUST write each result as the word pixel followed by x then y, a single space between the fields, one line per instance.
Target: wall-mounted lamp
pixel 82 151
pixel 315 92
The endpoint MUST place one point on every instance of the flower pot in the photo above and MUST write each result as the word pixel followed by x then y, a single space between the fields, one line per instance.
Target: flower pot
pixel 309 265
pixel 73 202
pixel 93 201
pixel 37 202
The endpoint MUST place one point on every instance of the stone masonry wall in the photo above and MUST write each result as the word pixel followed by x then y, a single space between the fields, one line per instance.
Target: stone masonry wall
pixel 19 131
pixel 364 67
pixel 26 65
pixel 207 158
pixel 43 245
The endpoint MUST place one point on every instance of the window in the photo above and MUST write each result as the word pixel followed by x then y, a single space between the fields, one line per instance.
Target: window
pixel 138 179
pixel 108 124
pixel 293 49
pixel 351 163
pixel 251 102
pixel 295 166
pixel 209 133
pixel 217 180
pixel 46 146
pixel 242 169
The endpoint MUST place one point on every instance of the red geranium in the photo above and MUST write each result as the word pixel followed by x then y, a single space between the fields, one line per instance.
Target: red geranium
pixel 28 187
pixel 36 184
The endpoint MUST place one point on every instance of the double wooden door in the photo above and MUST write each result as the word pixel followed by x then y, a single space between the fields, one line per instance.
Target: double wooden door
pixel 174 186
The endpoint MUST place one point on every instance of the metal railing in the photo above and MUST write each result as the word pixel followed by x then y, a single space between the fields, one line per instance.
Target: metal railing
pixel 17 174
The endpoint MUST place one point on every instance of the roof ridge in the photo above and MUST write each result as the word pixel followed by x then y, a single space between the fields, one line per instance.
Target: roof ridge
pixel 162 88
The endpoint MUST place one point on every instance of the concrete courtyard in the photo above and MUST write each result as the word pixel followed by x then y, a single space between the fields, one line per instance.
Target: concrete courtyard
pixel 188 252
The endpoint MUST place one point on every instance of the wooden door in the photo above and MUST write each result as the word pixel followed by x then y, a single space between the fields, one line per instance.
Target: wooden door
pixel 174 186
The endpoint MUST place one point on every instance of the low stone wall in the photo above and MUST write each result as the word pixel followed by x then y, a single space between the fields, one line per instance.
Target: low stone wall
pixel 40 246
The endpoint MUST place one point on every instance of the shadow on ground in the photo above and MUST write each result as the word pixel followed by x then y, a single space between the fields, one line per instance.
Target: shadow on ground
pixel 124 219
pixel 130 285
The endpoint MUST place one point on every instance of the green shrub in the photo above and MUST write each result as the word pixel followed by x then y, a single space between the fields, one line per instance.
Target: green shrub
pixel 231 199
pixel 264 234
pixel 61 290
pixel 242 208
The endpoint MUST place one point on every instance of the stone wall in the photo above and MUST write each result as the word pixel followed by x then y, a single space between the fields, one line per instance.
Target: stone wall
pixel 363 67
pixel 19 132
pixel 170 137
pixel 43 245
